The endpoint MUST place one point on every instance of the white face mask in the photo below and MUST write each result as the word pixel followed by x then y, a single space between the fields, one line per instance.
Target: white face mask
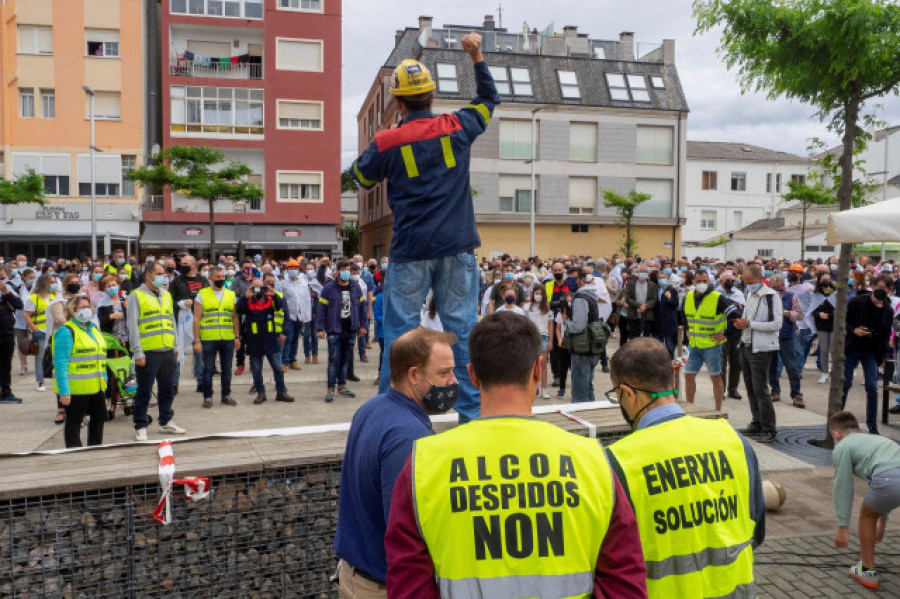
pixel 701 288
pixel 588 279
pixel 204 274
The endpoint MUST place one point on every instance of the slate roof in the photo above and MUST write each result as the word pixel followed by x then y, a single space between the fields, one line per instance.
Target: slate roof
pixel 590 73
pixel 773 229
pixel 719 150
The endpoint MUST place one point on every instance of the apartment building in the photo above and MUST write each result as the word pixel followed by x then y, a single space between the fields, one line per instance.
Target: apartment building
pixel 732 185
pixel 260 80
pixel 608 115
pixel 49 51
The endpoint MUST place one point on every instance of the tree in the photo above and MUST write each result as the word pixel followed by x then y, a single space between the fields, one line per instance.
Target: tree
pixel 625 206
pixel 808 196
pixel 831 54
pixel 26 189
pixel 351 240
pixel 198 172
pixel 348 181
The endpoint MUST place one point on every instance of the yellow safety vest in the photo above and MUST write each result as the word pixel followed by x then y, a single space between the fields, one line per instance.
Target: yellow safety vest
pixel 87 364
pixel 499 511
pixel 113 269
pixel 279 315
pixel 155 321
pixel 39 318
pixel 689 484
pixel 217 322
pixel 702 320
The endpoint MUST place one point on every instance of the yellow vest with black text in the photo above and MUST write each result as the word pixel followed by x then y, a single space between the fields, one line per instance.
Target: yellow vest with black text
pixel 155 321
pixel 217 321
pixel 689 483
pixel 87 364
pixel 39 318
pixel 504 516
pixel 702 320
pixel 279 315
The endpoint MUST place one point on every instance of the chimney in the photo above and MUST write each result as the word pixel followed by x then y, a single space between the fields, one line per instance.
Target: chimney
pixel 570 30
pixel 489 23
pixel 668 52
pixel 398 35
pixel 626 46
pixel 425 23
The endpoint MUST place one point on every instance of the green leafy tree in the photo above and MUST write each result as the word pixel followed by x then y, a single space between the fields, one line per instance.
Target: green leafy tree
pixel 351 240
pixel 625 206
pixel 199 172
pixel 808 196
pixel 26 189
pixel 831 54
pixel 348 181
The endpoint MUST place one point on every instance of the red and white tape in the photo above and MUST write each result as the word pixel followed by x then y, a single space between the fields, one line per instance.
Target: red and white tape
pixel 195 487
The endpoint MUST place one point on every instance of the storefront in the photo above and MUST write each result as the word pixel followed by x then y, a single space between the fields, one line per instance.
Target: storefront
pixel 271 241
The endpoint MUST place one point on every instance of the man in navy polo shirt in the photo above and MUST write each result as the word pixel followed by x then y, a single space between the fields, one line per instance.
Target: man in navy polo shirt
pixel 380 441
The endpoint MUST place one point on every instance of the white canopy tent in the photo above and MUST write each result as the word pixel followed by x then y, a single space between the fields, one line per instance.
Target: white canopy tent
pixel 877 222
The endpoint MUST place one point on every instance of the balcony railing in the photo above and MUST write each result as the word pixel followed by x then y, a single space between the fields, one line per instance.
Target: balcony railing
pixel 153 203
pixel 182 67
pixel 184 204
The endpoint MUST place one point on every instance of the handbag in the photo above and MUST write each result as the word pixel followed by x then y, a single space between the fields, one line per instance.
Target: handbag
pixel 28 346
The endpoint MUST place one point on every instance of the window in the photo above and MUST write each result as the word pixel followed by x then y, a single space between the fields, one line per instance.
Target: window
pixel 35 40
pixel 708 219
pixel 738 219
pixel 660 203
pixel 129 163
pixel 107 106
pixel 54 168
pixel 583 142
pixel 56 185
pixel 568 84
pixel 515 194
pixel 48 103
pixel 107 175
pixel 294 114
pixel 768 182
pixel 26 103
pixel 515 139
pixel 654 145
pixel 582 195
pixel 446 78
pixel 579 228
pixel 299 186
pixel 255 203
pixel 103 189
pixel 216 110
pixel 102 43
pixel 248 9
pixel 738 181
pixel 311 5
pixel 765 253
pixel 710 180
pixel 298 55
pixel 511 81
pixel 632 87
pixel 657 82
pixel 778 183
pixel 798 179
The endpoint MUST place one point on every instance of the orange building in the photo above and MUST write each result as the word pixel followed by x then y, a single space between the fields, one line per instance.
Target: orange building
pixel 50 50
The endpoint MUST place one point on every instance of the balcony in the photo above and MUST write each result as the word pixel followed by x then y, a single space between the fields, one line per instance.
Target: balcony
pixel 153 203
pixel 182 67
pixel 181 203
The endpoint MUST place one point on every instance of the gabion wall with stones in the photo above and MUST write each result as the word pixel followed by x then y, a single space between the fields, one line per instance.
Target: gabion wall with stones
pixel 260 535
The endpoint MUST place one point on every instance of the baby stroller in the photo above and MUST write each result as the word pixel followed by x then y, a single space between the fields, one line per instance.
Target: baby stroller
pixel 121 382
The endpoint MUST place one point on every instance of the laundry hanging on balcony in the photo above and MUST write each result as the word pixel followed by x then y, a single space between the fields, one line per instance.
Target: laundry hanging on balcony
pixel 220 63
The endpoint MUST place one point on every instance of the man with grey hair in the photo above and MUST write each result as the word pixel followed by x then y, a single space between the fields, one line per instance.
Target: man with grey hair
pixel 787 343
pixel 731 349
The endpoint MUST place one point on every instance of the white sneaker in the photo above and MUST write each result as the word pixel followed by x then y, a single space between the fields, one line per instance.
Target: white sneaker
pixel 823 379
pixel 141 434
pixel 41 387
pixel 545 395
pixel 173 428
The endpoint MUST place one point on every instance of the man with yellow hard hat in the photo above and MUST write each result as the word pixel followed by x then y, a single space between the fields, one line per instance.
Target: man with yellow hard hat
pixel 426 162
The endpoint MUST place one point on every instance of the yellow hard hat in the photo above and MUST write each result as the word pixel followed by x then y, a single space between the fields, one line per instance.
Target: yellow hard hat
pixel 411 78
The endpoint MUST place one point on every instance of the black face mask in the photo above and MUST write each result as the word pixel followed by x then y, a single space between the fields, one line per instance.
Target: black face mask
pixel 558 276
pixel 372 268
pixel 170 269
pixel 880 294
pixel 184 269
pixel 219 284
pixel 73 288
pixel 729 285
pixel 793 277
pixel 440 399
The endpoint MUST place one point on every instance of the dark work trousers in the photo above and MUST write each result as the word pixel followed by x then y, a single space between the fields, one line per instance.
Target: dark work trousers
pixel 241 354
pixel 731 363
pixel 756 379
pixel 81 405
pixel 7 349
pixel 638 327
pixel 160 368
pixel 555 353
pixel 565 362
pixel 623 330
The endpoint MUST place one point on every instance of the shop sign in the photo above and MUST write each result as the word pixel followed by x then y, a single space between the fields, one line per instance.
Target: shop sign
pixel 192 232
pixel 291 233
pixel 54 213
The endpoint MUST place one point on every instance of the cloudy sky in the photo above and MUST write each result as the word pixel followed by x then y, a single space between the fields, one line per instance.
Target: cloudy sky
pixel 719 112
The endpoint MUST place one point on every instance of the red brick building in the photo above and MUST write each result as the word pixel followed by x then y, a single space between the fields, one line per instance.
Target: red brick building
pixel 260 80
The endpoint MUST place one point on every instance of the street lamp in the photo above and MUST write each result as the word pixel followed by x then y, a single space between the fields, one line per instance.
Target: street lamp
pixel 90 94
pixel 534 112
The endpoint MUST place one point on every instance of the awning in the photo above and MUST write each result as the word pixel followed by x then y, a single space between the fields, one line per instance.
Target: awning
pixel 292 237
pixel 874 222
pixel 190 235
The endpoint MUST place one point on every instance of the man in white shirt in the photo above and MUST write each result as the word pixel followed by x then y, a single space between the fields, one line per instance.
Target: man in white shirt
pixel 295 291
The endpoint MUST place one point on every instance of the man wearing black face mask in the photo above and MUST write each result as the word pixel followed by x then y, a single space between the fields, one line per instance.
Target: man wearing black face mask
pixel 644 387
pixel 241 283
pixel 868 333
pixel 380 440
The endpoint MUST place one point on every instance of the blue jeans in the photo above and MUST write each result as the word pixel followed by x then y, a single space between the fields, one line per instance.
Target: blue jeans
pixel 361 342
pixel 160 368
pixel 870 377
pixel 225 351
pixel 340 352
pixel 455 281
pixel 310 341
pixel 293 330
pixel 804 345
pixel 196 368
pixel 583 376
pixel 40 338
pixel 788 353
pixel 256 365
